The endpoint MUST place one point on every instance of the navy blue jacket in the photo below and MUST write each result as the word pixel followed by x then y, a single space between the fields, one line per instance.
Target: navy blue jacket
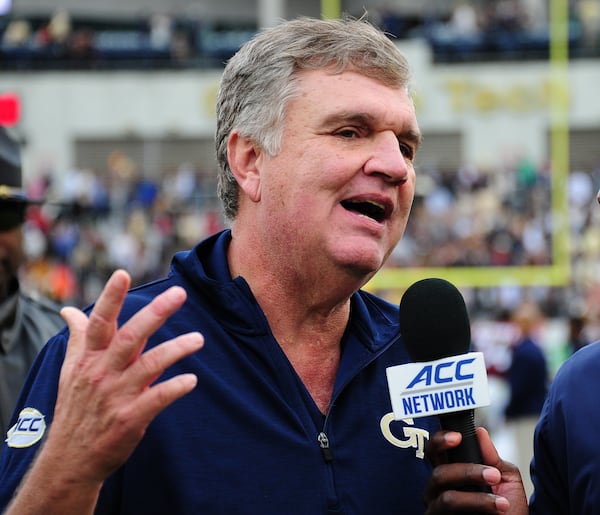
pixel 249 439
pixel 528 380
pixel 566 464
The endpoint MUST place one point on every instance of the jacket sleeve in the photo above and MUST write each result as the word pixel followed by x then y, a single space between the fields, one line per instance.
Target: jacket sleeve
pixel 565 470
pixel 548 471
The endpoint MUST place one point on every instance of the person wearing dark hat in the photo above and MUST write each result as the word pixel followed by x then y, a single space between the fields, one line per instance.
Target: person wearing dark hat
pixel 26 323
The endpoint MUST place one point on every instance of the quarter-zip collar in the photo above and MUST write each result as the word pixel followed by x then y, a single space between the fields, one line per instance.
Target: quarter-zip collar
pixel 373 325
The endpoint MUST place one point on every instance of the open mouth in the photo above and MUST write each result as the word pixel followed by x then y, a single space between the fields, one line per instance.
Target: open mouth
pixel 373 210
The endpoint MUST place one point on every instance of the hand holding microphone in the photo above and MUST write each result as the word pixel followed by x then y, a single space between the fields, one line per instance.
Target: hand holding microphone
pixel 435 325
pixel 445 379
pixel 449 381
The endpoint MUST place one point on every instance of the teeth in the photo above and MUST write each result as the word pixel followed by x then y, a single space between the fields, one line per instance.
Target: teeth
pixel 371 209
pixel 376 204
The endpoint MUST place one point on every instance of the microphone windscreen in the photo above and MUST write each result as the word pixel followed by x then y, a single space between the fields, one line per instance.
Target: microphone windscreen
pixel 434 321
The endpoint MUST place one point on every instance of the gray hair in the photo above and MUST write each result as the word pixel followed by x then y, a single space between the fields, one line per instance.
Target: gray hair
pixel 260 79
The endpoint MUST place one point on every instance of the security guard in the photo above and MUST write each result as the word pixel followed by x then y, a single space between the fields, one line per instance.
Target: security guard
pixel 25 323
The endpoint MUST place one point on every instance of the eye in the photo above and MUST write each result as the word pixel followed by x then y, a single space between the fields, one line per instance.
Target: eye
pixel 407 150
pixel 348 133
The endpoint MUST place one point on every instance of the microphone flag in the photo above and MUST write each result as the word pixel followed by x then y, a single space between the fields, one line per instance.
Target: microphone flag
pixel 447 385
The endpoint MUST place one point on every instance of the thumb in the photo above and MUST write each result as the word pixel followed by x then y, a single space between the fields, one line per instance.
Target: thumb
pixel 488 450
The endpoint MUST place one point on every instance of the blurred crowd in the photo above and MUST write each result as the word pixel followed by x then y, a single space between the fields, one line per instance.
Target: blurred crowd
pixel 503 216
pixel 481 217
pixel 497 29
pixel 95 222
pixel 456 31
pixel 152 40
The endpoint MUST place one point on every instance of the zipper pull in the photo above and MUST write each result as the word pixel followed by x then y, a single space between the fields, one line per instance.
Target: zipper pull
pixel 324 444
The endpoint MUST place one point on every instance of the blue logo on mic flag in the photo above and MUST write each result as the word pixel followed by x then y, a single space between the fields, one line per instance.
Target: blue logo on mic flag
pixel 447 385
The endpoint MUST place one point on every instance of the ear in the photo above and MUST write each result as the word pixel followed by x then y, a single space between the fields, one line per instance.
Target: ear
pixel 243 155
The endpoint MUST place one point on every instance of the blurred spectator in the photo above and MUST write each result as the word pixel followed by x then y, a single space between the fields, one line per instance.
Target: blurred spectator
pixel 16 34
pixel 577 336
pixel 26 323
pixel 527 377
pixel 59 28
pixel 463 21
pixel 81 47
pixel 161 30
pixel 535 14
pixel 589 16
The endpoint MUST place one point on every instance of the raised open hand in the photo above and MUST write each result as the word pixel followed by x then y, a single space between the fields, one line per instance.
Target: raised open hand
pixel 106 396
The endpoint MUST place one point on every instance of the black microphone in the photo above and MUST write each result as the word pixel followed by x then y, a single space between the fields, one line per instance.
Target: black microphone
pixel 434 324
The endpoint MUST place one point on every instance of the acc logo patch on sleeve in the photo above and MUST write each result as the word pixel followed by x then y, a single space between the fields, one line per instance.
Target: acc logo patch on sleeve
pixel 28 430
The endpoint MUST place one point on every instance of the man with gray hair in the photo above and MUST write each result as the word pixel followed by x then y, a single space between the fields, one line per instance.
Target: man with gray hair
pixel 286 407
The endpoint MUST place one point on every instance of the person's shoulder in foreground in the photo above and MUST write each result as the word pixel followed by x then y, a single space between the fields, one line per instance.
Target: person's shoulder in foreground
pixel 43 311
pixel 565 470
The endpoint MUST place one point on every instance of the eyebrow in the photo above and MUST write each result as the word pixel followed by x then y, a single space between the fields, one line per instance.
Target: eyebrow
pixel 412 135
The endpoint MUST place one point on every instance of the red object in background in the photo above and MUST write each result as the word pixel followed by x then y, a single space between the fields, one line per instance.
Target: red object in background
pixel 10 109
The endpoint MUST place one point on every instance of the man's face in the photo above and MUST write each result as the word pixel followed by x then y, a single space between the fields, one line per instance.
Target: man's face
pixel 340 190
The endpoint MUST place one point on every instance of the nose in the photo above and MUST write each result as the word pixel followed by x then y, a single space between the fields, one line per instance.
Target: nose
pixel 387 158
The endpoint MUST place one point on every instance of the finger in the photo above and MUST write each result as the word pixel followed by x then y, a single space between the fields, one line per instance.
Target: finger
pixel 443 440
pixel 439 443
pixel 103 318
pixel 76 322
pixel 133 335
pixel 155 399
pixel 455 501
pixel 459 476
pixel 152 363
pixel 491 457
pixel 509 481
pixel 488 450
